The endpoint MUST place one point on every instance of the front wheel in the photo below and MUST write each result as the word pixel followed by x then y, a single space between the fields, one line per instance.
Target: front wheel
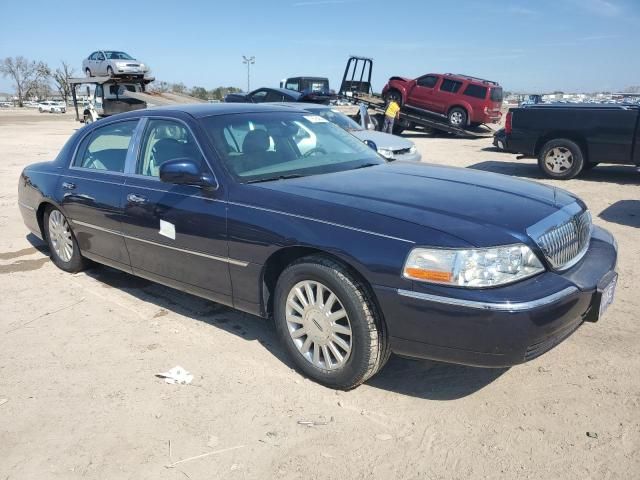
pixel 109 71
pixel 561 159
pixel 395 96
pixel 328 323
pixel 63 246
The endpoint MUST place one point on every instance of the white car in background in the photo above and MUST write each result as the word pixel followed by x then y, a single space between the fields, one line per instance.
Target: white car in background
pixel 52 107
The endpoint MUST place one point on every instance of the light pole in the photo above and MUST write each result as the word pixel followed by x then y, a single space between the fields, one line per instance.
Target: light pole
pixel 249 61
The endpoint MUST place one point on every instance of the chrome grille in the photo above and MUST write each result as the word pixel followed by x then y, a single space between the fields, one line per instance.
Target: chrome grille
pixel 563 237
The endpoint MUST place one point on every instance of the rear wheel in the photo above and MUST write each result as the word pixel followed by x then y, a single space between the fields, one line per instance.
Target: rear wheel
pixel 328 324
pixel 110 71
pixel 63 246
pixel 87 72
pixel 561 159
pixel 457 117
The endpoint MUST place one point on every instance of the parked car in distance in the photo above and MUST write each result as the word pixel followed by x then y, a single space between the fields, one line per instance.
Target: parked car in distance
pixel 391 147
pixel 306 84
pixel 111 63
pixel 463 100
pixel 52 107
pixel 570 138
pixel 271 95
pixel 352 256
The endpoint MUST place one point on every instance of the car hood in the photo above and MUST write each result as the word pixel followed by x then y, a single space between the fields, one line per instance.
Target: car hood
pixel 383 140
pixel 479 208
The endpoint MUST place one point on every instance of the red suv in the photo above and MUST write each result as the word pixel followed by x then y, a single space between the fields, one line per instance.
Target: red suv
pixel 462 99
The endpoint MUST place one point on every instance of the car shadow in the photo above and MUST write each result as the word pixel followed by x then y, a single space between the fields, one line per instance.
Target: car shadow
pixel 623 212
pixel 433 380
pixel 417 378
pixel 619 174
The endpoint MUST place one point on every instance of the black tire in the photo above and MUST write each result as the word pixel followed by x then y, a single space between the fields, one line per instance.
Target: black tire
pixel 458 117
pixel 87 72
pixel 397 129
pixel 561 159
pixel 76 262
pixel 370 346
pixel 394 95
pixel 109 71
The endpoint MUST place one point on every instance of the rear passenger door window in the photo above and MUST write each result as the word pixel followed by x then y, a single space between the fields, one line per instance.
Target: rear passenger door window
pixel 106 148
pixel 166 140
pixel 451 86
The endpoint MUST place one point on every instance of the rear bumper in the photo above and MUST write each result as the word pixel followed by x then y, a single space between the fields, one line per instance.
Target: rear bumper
pixel 503 326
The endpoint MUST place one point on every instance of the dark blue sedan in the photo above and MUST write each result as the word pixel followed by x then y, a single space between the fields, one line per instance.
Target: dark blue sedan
pixel 279 213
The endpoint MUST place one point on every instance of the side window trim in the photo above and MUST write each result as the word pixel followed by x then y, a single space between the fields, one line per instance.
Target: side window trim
pixel 132 163
pixel 76 150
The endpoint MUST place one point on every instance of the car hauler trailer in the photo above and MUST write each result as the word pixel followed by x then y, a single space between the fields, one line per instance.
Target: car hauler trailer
pixel 356 88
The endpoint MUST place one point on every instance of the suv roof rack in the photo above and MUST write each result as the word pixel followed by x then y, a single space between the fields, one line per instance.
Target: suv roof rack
pixel 469 77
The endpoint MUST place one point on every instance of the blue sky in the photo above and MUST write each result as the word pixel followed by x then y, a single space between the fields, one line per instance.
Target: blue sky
pixel 541 45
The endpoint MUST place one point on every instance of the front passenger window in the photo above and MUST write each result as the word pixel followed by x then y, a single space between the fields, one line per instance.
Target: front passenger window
pixel 106 148
pixel 166 140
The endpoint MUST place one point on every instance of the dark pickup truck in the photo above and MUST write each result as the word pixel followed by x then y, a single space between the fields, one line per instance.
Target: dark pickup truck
pixel 567 139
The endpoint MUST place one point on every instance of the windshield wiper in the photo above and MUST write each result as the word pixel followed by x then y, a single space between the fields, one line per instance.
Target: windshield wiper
pixel 279 177
pixel 365 165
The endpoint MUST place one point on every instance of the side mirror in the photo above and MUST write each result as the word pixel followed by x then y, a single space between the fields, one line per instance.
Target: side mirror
pixel 184 171
pixel 371 144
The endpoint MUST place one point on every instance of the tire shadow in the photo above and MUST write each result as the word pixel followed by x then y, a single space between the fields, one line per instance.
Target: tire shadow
pixel 623 212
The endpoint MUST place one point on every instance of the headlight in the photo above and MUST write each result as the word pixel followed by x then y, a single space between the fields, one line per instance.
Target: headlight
pixel 472 268
pixel 385 153
pixel 412 149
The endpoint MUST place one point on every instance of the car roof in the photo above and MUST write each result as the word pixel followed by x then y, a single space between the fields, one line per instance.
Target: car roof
pixel 200 110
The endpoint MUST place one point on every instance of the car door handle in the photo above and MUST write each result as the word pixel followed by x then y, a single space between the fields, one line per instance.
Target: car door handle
pixel 133 198
pixel 68 185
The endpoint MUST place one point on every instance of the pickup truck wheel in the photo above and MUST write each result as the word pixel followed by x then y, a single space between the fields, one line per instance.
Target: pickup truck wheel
pixel 63 246
pixel 561 159
pixel 328 323
pixel 457 117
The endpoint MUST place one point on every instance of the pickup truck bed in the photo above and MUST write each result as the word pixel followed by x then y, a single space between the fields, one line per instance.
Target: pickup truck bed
pixel 569 138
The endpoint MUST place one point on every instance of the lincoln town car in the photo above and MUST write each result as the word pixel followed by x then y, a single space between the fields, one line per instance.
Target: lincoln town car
pixel 277 212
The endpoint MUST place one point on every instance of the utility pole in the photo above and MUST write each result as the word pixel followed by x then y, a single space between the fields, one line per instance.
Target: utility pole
pixel 249 61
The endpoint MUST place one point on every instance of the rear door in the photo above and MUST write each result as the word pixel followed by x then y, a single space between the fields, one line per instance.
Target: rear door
pixel 422 94
pixel 445 95
pixel 92 191
pixel 175 234
pixel 101 64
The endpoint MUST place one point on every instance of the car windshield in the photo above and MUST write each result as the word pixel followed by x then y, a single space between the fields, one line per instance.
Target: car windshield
pixel 118 56
pixel 336 117
pixel 274 145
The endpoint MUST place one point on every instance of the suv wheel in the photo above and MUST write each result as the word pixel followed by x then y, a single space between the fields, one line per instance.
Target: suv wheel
pixel 457 117
pixel 394 95
pixel 328 324
pixel 561 159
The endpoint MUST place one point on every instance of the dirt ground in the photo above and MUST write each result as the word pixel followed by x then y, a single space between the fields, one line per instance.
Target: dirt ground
pixel 78 354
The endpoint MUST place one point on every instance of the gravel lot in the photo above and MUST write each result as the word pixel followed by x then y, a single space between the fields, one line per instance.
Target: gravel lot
pixel 78 354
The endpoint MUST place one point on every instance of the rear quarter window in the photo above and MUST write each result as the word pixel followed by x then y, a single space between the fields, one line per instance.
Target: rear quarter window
pixel 496 94
pixel 476 91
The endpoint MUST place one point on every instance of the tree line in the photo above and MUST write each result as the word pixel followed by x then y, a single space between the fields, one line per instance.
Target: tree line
pixel 37 79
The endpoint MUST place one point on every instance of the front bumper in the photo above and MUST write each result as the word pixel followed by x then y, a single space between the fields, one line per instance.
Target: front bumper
pixel 503 326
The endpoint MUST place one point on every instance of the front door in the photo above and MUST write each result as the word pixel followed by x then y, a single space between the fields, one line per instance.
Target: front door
pixel 175 234
pixel 91 192
pixel 421 95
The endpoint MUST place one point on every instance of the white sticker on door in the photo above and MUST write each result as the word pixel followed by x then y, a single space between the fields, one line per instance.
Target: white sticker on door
pixel 167 229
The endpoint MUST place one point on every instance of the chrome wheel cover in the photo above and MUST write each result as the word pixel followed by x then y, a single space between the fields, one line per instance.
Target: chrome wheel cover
pixel 60 235
pixel 319 325
pixel 456 118
pixel 559 159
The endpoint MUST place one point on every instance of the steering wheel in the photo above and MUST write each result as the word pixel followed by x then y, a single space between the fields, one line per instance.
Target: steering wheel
pixel 313 151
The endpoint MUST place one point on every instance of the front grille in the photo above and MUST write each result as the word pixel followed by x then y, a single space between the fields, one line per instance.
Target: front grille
pixel 563 237
pixel 132 65
pixel 402 151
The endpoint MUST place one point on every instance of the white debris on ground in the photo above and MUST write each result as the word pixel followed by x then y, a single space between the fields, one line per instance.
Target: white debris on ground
pixel 177 375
